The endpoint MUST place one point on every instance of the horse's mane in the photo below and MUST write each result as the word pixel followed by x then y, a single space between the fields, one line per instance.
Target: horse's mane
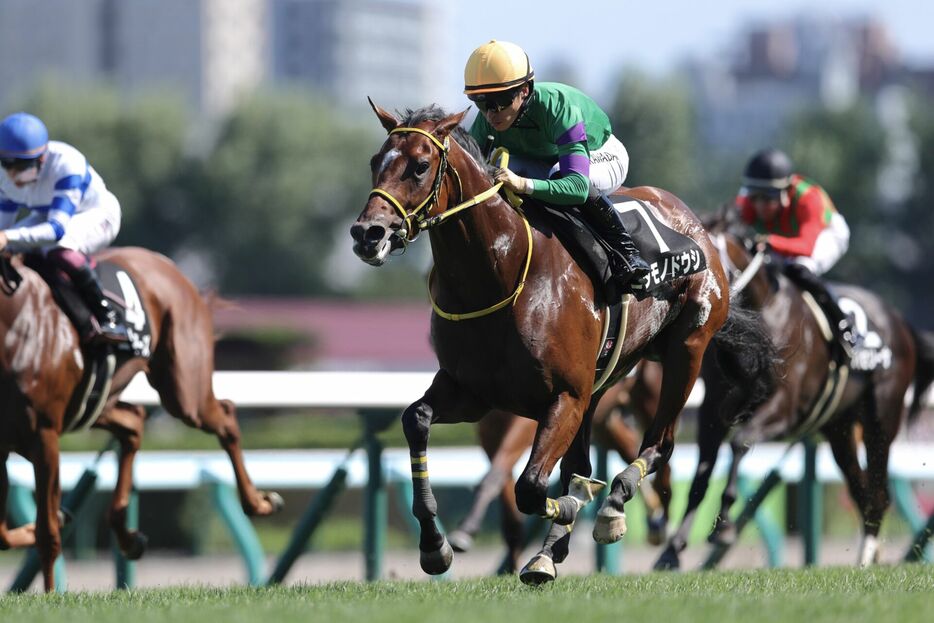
pixel 433 112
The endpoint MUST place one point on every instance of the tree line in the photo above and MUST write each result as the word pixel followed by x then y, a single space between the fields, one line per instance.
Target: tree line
pixel 261 202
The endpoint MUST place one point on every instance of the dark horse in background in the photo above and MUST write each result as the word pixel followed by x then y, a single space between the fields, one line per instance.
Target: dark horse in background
pixel 42 364
pixel 871 394
pixel 517 326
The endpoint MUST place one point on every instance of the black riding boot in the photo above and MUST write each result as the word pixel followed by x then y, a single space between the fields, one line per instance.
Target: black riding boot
pixel 841 322
pixel 110 329
pixel 628 266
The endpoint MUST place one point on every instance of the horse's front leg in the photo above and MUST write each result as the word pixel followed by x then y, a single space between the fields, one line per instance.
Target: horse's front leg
pixel 564 433
pixel 48 499
pixel 444 402
pixel 682 364
pixel 23 536
pixel 125 421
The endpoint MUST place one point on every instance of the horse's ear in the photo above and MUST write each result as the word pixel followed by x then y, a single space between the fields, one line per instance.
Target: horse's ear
pixel 388 120
pixel 447 125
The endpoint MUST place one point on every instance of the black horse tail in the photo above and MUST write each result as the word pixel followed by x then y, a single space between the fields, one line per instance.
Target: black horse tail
pixel 924 370
pixel 749 363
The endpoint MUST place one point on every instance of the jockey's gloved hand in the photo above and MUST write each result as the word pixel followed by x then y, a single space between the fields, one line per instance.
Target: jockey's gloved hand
pixel 513 182
pixel 762 243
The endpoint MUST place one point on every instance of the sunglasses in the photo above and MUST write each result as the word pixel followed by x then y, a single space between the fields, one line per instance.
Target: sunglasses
pixel 494 102
pixel 18 164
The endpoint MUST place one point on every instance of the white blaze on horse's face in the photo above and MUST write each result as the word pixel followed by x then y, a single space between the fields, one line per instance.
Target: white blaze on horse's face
pixel 390 155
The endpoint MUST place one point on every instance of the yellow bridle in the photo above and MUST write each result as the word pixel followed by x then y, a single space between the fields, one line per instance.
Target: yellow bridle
pixel 413 221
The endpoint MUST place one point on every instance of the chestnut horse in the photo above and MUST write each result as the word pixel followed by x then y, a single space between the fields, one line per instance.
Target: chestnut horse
pixel 42 363
pixel 506 437
pixel 874 398
pixel 517 323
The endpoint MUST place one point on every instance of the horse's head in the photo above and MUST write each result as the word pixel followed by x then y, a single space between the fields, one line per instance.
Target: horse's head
pixel 745 264
pixel 408 175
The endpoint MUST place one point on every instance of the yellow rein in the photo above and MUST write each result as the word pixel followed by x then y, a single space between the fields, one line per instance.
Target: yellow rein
pixel 426 223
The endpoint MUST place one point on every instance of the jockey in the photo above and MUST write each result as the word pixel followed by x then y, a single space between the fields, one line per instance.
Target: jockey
pixel 70 215
pixel 797 219
pixel 561 146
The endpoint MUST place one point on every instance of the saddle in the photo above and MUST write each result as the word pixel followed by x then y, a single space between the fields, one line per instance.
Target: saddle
pixel 670 254
pixel 102 361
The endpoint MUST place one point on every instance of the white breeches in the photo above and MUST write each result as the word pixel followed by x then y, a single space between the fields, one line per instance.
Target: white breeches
pixel 831 244
pixel 609 166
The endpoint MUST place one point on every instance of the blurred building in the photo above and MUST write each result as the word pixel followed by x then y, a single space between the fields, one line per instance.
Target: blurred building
pixel 783 67
pixel 212 51
pixel 208 51
pixel 390 50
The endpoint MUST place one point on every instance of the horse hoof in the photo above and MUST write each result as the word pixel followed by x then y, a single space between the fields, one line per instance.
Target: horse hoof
pixel 438 561
pixel 137 546
pixel 275 501
pixel 668 561
pixel 460 541
pixel 723 534
pixel 610 526
pixel 657 530
pixel 540 570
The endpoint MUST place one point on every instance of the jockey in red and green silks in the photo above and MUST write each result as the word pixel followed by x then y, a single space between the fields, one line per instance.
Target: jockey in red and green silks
pixel 562 149
pixel 797 220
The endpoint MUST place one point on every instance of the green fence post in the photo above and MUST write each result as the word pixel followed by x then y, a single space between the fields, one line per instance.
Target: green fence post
pixel 608 557
pixel 125 569
pixel 310 520
pixel 227 505
pixel 375 512
pixel 810 504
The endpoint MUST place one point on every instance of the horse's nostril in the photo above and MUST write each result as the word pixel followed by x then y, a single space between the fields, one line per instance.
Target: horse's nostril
pixel 375 233
pixel 357 231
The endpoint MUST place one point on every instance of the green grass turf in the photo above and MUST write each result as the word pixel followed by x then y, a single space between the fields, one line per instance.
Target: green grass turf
pixel 903 594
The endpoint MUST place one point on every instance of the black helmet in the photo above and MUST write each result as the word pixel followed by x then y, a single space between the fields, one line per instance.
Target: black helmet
pixel 768 171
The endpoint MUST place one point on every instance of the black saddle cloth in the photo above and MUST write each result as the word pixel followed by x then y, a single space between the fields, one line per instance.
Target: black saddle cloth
pixel 669 254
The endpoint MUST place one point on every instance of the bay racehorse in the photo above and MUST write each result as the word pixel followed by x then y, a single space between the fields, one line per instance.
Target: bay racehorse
pixel 816 390
pixel 42 365
pixel 505 437
pixel 517 323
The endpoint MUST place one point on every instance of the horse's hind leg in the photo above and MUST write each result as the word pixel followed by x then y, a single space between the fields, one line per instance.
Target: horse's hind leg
pixel 180 371
pixel 125 421
pixel 840 434
pixel 220 418
pixel 682 363
pixel 879 430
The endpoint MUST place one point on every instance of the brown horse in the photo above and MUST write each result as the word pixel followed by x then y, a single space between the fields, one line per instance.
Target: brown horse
pixel 531 346
pixel 505 438
pixel 804 400
pixel 42 363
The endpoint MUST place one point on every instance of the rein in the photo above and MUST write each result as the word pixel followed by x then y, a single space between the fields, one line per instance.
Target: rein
pixel 10 279
pixel 742 278
pixel 415 222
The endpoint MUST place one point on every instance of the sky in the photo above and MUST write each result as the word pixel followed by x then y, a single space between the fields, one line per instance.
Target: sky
pixel 598 38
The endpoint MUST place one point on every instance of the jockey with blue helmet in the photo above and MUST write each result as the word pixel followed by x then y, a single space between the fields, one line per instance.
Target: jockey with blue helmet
pixel 69 214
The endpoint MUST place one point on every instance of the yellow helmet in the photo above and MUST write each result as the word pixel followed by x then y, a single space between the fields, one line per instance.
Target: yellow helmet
pixel 496 66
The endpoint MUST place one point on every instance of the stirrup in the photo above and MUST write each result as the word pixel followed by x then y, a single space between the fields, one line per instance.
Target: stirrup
pixel 108 333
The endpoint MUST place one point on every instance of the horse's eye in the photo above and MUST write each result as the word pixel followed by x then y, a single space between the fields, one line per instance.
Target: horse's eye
pixel 421 168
